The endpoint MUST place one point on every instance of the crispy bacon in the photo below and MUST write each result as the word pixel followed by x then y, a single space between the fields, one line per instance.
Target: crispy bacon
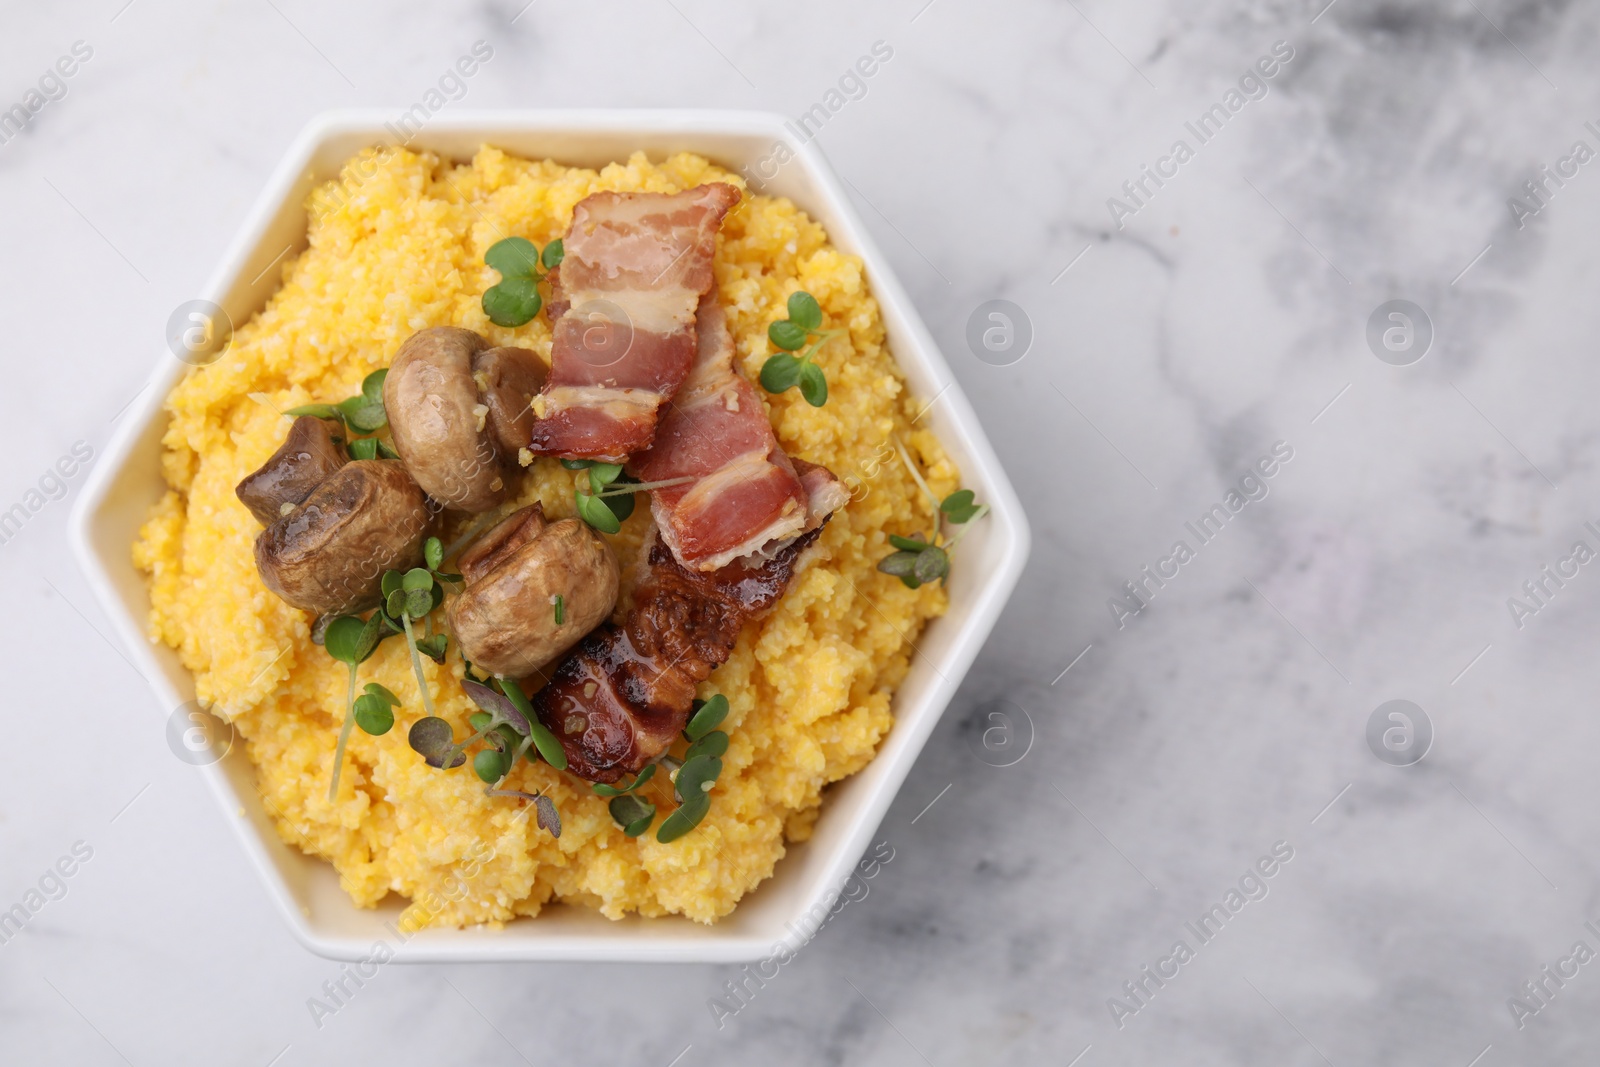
pixel 746 493
pixel 623 314
pixel 620 698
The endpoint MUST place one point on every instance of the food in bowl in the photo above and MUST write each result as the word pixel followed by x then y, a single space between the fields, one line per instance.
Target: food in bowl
pixel 400 550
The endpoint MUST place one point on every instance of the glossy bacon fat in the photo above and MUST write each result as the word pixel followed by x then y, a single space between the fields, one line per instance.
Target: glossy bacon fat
pixel 746 493
pixel 620 698
pixel 623 317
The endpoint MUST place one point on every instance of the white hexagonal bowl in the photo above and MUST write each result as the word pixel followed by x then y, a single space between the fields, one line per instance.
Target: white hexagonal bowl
pixel 128 480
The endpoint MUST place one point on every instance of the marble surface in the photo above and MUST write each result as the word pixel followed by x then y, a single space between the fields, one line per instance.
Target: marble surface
pixel 1226 314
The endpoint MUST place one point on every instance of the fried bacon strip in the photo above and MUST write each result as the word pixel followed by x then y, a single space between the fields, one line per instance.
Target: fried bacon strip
pixel 623 314
pixel 746 493
pixel 620 698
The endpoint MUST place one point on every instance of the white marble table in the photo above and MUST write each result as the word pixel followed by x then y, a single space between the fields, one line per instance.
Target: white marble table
pixel 1227 313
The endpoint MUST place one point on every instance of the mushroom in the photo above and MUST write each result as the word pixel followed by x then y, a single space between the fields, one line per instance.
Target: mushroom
pixel 307 458
pixel 508 380
pixel 328 555
pixel 505 618
pixel 438 422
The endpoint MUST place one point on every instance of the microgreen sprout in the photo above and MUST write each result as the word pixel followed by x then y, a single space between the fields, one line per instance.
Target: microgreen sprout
pixel 351 640
pixel 361 414
pixel 543 739
pixel 923 558
pixel 515 300
pixel 601 789
pixel 686 817
pixel 434 740
pixel 413 595
pixel 374 709
pixel 610 499
pixel 784 370
pixel 508 728
pixel 692 778
pixel 708 715
pixel 408 596
pixel 632 814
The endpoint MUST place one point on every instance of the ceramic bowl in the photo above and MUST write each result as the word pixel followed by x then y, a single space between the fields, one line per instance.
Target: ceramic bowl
pixel 127 481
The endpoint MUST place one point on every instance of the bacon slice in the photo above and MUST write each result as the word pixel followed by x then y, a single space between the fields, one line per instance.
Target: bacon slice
pixel 747 493
pixel 621 697
pixel 623 313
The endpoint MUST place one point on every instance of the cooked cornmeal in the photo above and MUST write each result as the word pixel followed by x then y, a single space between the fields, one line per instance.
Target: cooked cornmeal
pixel 396 246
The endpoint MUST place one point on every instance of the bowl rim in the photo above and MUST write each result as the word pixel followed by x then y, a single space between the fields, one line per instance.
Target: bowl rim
pixel 897 750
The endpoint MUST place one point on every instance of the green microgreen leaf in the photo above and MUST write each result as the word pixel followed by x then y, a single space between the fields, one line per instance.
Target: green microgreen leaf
pixel 390 582
pixel 780 372
pixel 602 475
pixel 786 335
pixel 316 411
pixel 959 506
pixel 553 254
pixel 561 609
pixel 385 452
pixel 513 257
pixel 804 311
pixel 372 385
pixel 707 717
pixel 632 814
pixel 364 448
pixel 543 739
pixel 932 564
pixel 433 553
pixel 621 506
pixel 813 384
pixel 577 464
pixel 417 602
pixel 433 740
pixel 434 647
pixel 713 744
pixel 902 565
pixel 598 513
pixel 382 693
pixel 416 578
pixel 686 818
pixel 697 775
pixel 908 544
pixel 374 714
pixel 363 414
pixel 343 639
pixel 514 302
pixel 491 765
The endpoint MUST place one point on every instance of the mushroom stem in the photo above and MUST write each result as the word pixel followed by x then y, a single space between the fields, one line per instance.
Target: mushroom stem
pixel 416 665
pixel 344 734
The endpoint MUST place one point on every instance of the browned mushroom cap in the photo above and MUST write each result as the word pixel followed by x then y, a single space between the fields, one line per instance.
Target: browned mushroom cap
pixel 505 619
pixel 502 539
pixel 328 555
pixel 439 423
pixel 508 379
pixel 308 457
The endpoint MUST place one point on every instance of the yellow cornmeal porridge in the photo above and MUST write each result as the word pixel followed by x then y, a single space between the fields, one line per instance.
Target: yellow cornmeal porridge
pixel 396 246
